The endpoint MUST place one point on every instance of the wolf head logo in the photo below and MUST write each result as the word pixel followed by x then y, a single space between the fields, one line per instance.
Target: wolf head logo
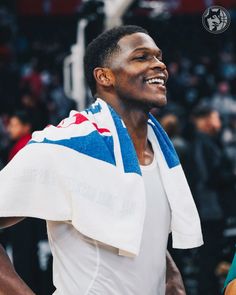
pixel 216 19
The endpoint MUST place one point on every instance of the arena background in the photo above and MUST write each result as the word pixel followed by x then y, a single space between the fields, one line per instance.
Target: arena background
pixel 41 80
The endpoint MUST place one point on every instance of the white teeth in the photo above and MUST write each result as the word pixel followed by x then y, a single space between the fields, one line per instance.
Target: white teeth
pixel 156 81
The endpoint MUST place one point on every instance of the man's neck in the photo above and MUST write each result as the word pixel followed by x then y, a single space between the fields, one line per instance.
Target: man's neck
pixel 135 118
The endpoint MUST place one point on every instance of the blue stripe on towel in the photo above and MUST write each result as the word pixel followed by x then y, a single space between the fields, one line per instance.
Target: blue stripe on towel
pixel 128 153
pixel 166 145
pixel 102 147
pixel 94 145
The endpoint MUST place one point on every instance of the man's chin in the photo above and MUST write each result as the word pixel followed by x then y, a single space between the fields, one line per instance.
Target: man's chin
pixel 148 103
pixel 160 102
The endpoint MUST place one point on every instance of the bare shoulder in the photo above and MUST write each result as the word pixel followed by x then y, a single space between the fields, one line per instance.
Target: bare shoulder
pixel 231 288
pixel 9 221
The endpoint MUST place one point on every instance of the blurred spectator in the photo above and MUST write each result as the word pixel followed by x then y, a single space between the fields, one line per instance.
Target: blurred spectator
pixel 31 254
pixel 228 187
pixel 59 105
pixel 4 141
pixel 223 101
pixel 204 173
pixel 32 80
pixel 227 66
pixel 20 129
pixel 171 123
pixel 229 133
pixel 31 261
pixel 37 109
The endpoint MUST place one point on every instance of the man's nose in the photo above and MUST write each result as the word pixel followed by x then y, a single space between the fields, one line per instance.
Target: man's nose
pixel 158 63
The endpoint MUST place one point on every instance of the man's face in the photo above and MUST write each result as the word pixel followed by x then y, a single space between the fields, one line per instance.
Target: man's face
pixel 140 74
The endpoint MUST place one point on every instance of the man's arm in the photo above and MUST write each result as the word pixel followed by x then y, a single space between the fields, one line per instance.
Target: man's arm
pixel 9 221
pixel 174 282
pixel 231 288
pixel 10 282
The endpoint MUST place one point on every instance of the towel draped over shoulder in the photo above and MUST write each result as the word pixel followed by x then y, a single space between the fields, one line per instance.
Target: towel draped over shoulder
pixel 86 171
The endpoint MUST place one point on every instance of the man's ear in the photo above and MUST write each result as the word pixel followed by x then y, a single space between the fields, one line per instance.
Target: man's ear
pixel 103 76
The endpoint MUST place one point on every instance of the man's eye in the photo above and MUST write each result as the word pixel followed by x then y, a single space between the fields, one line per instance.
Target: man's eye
pixel 145 57
pixel 141 57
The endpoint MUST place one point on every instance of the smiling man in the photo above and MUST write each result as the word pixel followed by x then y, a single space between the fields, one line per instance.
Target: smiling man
pixel 107 180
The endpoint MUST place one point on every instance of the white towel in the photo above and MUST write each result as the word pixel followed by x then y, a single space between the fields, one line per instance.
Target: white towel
pixel 86 171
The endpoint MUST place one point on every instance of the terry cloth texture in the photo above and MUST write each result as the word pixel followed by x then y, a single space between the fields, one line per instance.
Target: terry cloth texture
pixel 86 171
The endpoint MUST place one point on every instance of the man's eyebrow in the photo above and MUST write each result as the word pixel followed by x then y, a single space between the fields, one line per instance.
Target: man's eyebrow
pixel 147 49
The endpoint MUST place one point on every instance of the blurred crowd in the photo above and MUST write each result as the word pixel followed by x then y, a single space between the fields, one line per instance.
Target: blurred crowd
pixel 200 119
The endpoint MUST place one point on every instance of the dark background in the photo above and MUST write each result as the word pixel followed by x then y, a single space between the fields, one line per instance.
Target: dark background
pixel 36 36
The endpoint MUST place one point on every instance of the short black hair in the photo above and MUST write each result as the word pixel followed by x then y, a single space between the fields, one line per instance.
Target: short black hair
pixel 23 116
pixel 202 111
pixel 101 48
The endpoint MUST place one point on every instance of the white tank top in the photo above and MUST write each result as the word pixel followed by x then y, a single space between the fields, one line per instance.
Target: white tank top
pixel 81 266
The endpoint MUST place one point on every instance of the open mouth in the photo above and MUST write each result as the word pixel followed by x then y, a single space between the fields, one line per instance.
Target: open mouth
pixel 158 80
